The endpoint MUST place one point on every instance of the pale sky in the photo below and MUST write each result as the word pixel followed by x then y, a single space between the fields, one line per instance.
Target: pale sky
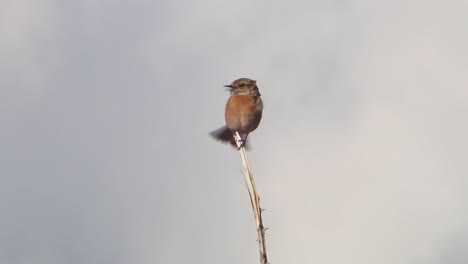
pixel 106 106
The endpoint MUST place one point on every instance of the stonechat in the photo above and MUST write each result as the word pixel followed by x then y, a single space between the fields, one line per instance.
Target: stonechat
pixel 243 111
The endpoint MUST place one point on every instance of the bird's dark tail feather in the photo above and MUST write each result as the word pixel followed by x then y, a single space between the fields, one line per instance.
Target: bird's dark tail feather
pixel 225 135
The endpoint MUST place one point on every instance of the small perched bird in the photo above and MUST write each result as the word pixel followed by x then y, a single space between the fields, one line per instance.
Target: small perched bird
pixel 243 111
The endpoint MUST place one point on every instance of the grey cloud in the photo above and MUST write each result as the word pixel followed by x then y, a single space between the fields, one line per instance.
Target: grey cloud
pixel 106 108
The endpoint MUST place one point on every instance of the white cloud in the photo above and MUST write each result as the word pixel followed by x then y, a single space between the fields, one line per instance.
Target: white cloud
pixel 387 187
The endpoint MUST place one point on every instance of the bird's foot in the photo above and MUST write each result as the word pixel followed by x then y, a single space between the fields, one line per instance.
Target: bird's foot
pixel 242 143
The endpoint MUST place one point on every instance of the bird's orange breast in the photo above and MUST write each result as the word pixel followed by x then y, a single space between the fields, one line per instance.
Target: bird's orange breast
pixel 243 113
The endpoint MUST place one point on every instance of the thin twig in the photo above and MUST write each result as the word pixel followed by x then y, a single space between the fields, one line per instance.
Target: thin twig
pixel 254 199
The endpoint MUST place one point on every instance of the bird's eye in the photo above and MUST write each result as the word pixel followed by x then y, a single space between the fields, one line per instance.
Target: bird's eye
pixel 242 85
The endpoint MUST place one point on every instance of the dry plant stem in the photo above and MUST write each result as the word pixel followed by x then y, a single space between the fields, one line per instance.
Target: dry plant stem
pixel 254 199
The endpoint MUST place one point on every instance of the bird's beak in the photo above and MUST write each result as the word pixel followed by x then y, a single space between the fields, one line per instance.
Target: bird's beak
pixel 229 86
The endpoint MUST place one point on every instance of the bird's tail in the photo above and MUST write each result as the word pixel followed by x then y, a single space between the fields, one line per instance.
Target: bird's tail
pixel 224 135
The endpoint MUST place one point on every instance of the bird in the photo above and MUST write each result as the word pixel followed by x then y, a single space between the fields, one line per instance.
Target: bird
pixel 243 112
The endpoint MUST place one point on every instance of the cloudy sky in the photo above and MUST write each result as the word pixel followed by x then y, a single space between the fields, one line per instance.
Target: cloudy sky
pixel 105 109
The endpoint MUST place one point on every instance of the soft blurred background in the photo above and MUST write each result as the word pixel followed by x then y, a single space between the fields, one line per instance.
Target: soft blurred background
pixel 105 109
